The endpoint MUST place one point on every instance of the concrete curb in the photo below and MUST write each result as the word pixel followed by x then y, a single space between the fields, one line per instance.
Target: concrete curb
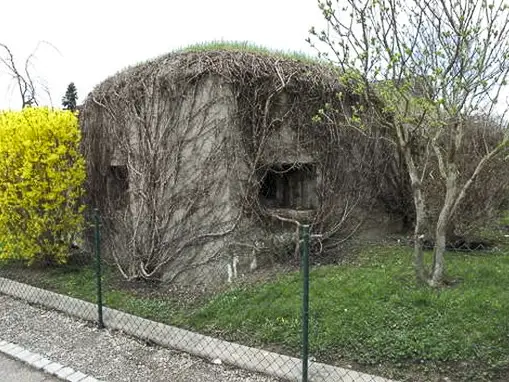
pixel 244 357
pixel 41 363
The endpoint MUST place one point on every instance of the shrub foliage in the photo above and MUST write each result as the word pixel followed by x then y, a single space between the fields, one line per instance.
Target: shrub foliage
pixel 41 178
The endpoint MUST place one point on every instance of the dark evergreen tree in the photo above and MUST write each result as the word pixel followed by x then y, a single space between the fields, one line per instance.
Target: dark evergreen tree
pixel 70 99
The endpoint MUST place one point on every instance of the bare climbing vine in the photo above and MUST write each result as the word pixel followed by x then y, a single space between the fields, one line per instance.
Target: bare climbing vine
pixel 182 149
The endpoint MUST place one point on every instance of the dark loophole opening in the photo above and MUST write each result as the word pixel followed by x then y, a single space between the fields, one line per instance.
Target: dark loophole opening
pixel 288 185
pixel 118 186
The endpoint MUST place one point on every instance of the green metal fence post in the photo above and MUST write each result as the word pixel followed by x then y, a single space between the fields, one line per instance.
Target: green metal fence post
pixel 98 271
pixel 304 248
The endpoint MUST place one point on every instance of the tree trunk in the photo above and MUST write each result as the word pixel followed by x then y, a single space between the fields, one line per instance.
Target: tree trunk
pixel 438 269
pixel 418 198
pixel 420 271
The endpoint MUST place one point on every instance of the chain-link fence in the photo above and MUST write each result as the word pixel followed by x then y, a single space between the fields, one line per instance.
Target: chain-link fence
pixel 296 318
pixel 261 322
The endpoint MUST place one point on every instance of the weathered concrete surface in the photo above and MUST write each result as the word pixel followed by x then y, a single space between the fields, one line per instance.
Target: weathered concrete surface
pixel 11 370
pixel 41 366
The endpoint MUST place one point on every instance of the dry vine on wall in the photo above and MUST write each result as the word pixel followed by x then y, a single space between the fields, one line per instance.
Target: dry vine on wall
pixel 163 194
pixel 185 153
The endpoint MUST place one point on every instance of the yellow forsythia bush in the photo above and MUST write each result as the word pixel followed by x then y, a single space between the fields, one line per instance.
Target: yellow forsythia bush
pixel 41 182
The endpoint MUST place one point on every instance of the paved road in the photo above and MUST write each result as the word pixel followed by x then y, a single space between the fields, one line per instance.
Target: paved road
pixel 15 371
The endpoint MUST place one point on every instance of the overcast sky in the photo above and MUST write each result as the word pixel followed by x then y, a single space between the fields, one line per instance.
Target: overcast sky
pixel 94 39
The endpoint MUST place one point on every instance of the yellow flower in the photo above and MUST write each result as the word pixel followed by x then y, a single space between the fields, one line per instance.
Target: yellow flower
pixel 41 183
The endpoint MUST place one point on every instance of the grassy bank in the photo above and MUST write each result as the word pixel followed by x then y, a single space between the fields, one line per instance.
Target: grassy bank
pixel 368 313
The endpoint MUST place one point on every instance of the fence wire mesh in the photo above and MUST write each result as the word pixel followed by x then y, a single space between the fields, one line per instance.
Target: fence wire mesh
pixel 263 322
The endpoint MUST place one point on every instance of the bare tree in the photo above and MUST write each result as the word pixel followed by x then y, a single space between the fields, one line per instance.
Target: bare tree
pixel 26 83
pixel 434 65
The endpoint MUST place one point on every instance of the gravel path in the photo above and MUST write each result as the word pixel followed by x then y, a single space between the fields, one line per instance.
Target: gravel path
pixel 109 356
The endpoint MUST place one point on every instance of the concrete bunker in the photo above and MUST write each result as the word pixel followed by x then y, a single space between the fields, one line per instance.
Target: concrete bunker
pixel 198 160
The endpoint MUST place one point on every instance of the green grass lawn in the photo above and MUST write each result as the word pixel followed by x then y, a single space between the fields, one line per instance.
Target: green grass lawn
pixel 374 313
pixel 369 313
pixel 80 282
